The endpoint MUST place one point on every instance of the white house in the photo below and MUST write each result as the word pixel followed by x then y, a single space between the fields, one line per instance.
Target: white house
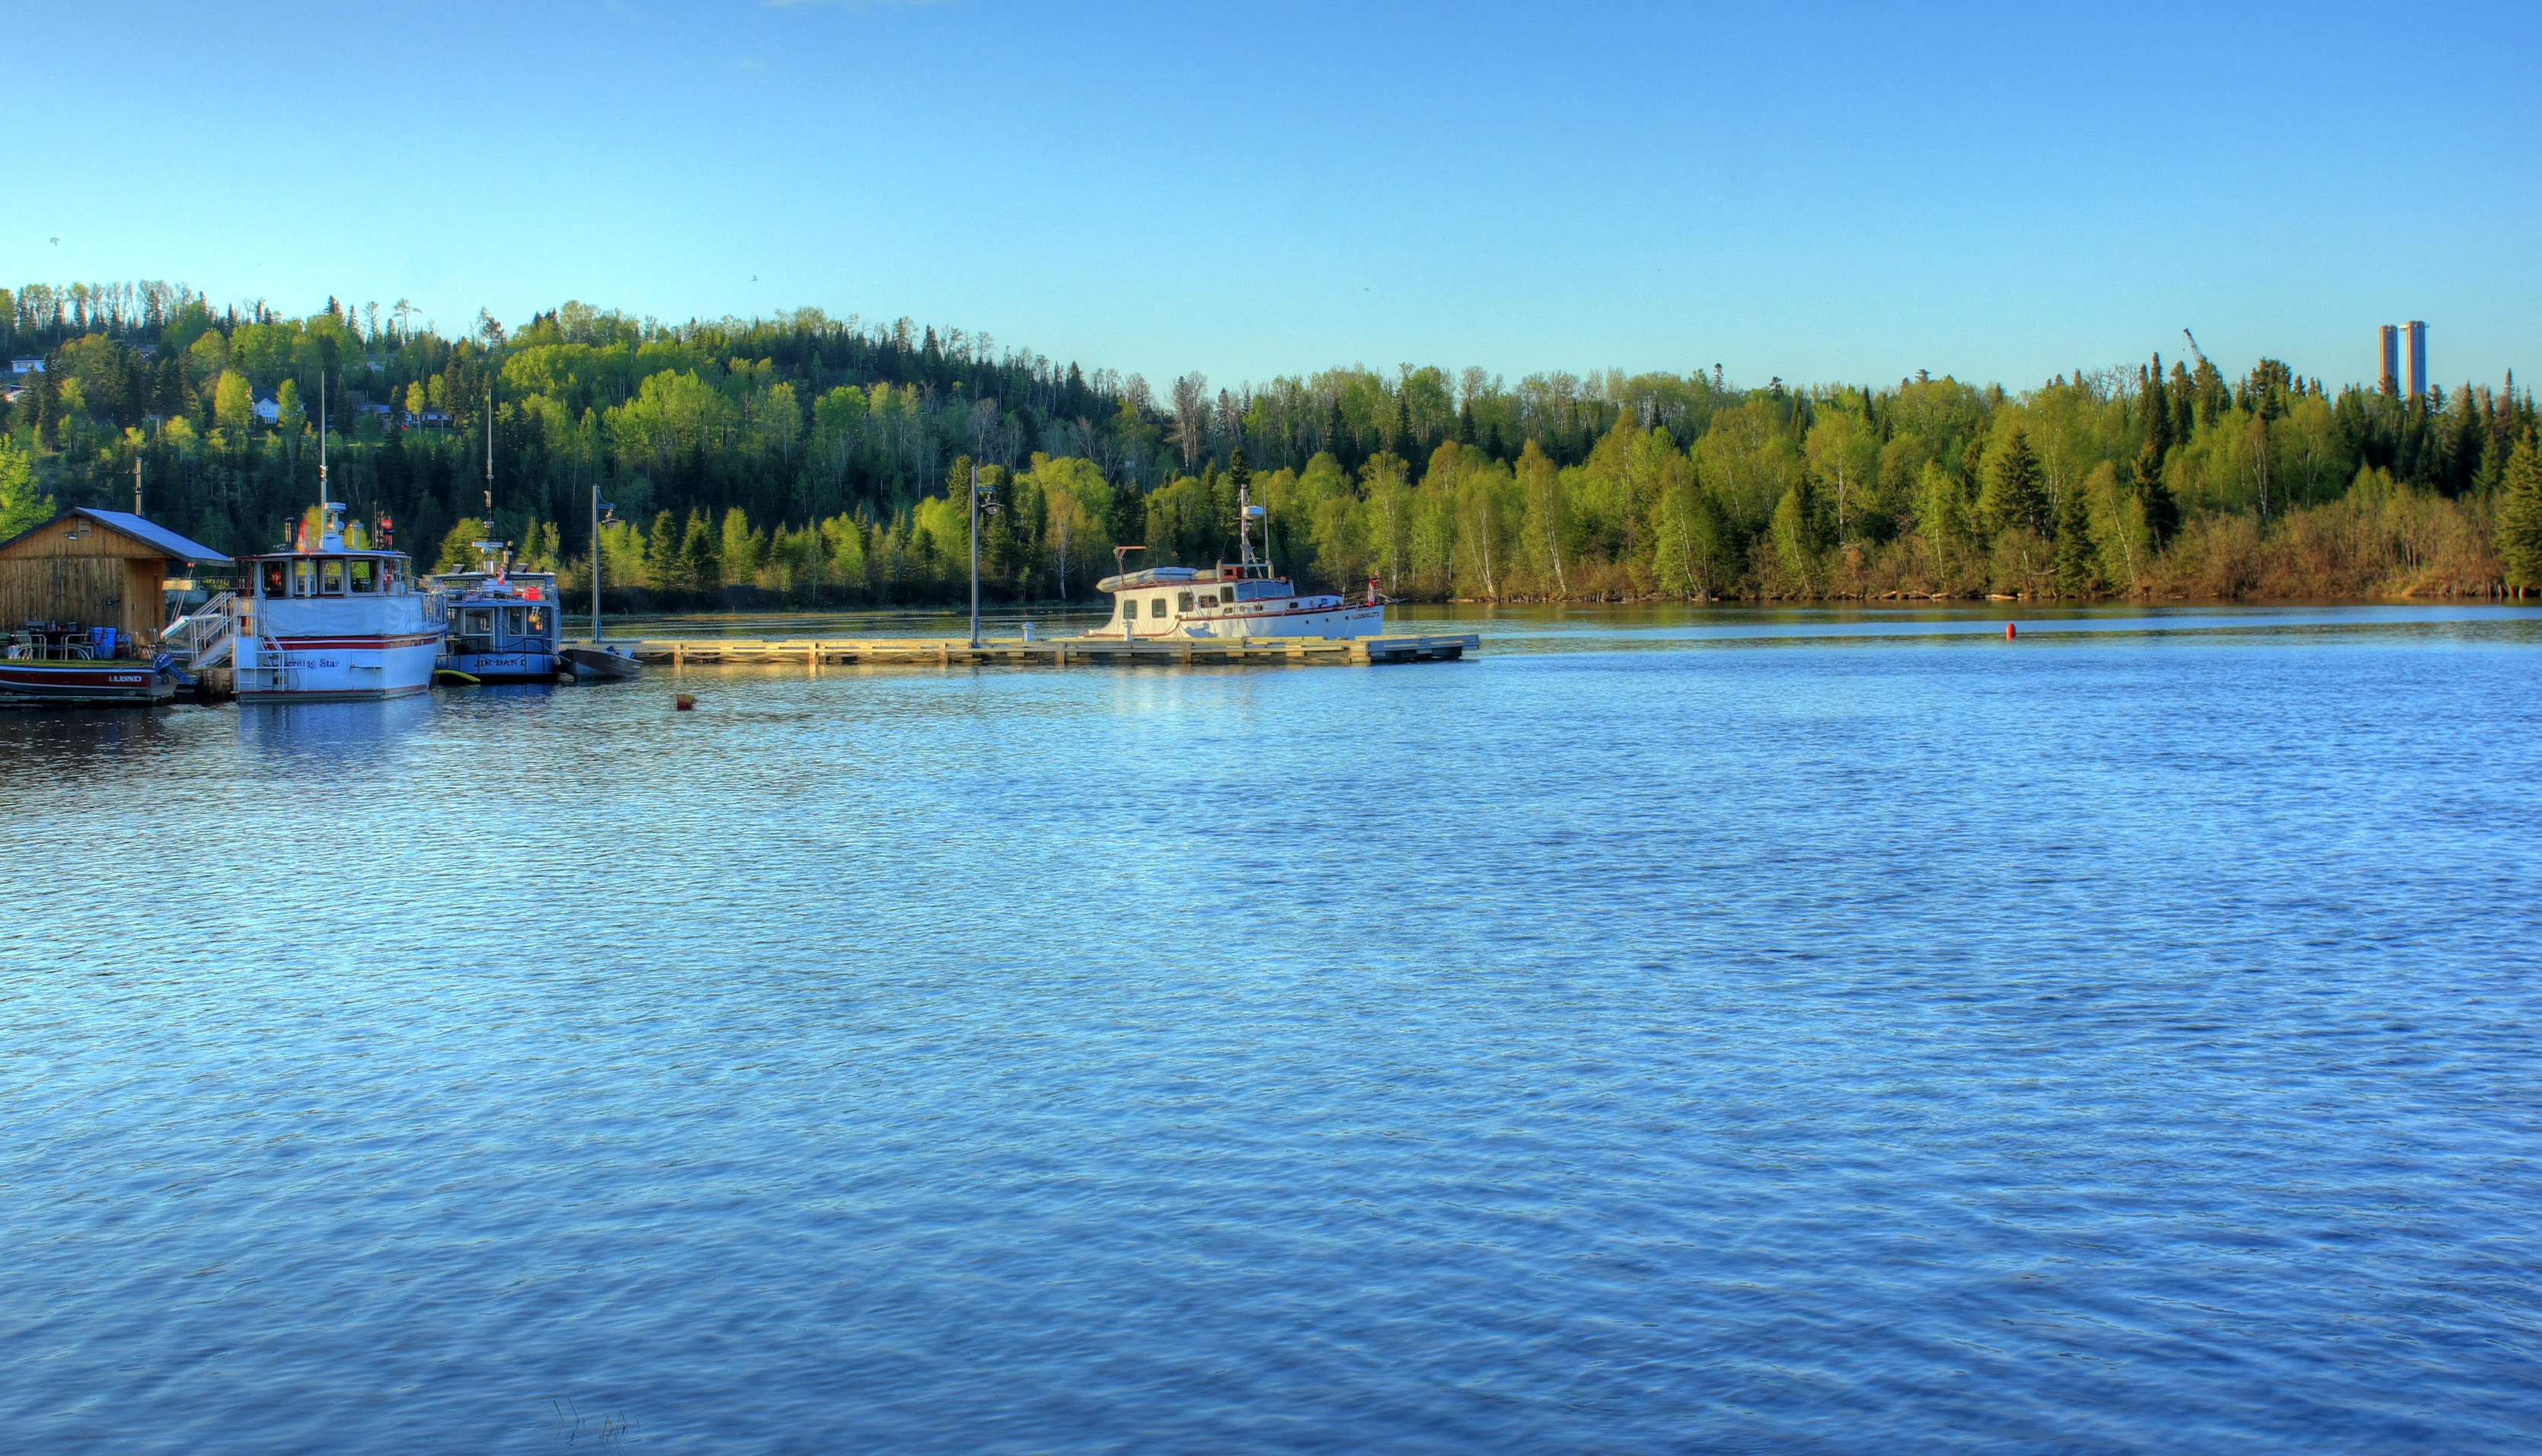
pixel 268 411
pixel 27 364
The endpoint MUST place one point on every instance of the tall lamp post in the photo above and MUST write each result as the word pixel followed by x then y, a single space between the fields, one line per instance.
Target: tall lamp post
pixel 598 520
pixel 981 499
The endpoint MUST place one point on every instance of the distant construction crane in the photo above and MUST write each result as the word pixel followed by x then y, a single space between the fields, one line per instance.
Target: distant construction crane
pixel 2193 346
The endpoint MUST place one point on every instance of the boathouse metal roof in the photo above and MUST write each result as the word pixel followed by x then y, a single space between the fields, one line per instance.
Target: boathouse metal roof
pixel 158 537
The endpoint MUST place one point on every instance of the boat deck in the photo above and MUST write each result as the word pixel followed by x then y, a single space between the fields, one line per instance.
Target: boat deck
pixel 680 652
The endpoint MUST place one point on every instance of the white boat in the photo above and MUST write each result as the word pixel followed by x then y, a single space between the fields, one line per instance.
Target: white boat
pixel 1244 598
pixel 332 623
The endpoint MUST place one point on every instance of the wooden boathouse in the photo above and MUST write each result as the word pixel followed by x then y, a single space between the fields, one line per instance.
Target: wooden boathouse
pixel 97 569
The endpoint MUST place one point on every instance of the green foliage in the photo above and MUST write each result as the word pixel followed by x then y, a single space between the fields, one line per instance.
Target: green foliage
pixel 458 550
pixel 802 456
pixel 22 507
pixel 2520 514
pixel 2015 496
pixel 2078 568
pixel 701 556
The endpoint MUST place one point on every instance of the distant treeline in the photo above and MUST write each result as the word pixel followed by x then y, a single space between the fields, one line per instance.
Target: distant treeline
pixel 821 461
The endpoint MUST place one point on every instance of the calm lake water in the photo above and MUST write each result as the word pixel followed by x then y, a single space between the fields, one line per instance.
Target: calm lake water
pixel 1671 1030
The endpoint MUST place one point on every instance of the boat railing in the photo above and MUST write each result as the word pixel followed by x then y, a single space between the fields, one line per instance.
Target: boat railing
pixel 205 632
pixel 51 652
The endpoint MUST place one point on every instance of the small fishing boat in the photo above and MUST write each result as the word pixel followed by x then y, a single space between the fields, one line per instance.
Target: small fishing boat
pixel 61 664
pixel 602 664
pixel 1244 598
pixel 598 662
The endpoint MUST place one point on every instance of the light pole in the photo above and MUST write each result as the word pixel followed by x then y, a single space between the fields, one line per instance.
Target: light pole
pixel 977 492
pixel 597 521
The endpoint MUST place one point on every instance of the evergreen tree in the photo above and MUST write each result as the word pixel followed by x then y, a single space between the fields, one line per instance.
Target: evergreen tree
pixel 1465 423
pixel 700 566
pixel 2161 510
pixel 1404 444
pixel 662 553
pixel 2015 493
pixel 2519 515
pixel 2078 569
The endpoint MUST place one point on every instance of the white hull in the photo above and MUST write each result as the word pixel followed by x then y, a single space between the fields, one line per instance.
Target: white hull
pixel 335 669
pixel 1334 622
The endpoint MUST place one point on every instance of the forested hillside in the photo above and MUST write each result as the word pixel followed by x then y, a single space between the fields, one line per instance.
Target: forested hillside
pixel 814 461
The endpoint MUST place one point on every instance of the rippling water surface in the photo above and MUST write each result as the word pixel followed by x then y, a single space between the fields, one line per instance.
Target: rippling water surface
pixel 1833 1032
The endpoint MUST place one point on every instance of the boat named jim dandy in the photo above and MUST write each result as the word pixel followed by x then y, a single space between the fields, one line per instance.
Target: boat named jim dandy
pixel 332 621
pixel 503 623
pixel 1244 598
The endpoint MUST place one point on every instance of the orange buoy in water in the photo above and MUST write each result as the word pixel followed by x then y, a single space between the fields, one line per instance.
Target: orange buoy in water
pixel 683 703
pixel 2007 631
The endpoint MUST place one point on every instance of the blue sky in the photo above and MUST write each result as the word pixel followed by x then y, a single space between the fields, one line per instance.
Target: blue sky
pixel 1819 192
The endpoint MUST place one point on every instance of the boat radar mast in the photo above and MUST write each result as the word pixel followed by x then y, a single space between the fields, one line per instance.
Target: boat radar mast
pixel 1246 513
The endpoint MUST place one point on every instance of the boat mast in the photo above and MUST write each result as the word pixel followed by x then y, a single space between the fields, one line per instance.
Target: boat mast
pixel 490 452
pixel 323 501
pixel 1246 513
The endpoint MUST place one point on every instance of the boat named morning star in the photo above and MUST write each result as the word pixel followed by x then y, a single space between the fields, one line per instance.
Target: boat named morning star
pixel 332 621
pixel 1244 598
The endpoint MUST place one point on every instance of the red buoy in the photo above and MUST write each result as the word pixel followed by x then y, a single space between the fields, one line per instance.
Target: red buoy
pixel 2007 631
pixel 683 703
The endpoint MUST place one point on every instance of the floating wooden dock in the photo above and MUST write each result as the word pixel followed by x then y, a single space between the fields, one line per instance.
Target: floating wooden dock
pixel 813 652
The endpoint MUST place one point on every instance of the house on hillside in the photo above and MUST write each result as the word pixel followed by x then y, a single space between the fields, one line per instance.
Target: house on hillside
pixel 27 364
pixel 268 409
pixel 97 569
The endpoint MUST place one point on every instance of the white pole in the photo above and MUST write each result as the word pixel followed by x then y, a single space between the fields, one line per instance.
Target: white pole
pixel 975 556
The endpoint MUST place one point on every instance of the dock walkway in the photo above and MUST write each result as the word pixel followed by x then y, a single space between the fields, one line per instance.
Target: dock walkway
pixel 1053 651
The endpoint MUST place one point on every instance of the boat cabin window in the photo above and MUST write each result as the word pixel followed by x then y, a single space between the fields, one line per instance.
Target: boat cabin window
pixel 1129 608
pixel 365 575
pixel 330 576
pixel 511 621
pixel 1157 606
pixel 538 621
pixel 1183 601
pixel 304 578
pixel 476 621
pixel 1209 599
pixel 274 580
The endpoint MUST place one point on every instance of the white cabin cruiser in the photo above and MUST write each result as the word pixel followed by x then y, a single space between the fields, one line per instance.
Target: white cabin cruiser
pixel 332 621
pixel 1244 598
